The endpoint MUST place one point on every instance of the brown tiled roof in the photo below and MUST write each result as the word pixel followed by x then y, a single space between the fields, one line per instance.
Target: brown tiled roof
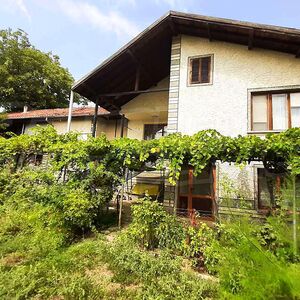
pixel 56 113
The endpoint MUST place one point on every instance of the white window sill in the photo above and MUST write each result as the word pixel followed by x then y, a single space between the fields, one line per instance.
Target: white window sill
pixel 264 132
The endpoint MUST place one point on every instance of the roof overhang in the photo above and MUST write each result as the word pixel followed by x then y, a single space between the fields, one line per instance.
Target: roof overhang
pixel 149 52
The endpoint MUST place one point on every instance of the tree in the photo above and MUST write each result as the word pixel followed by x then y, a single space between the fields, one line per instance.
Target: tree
pixel 29 76
pixel 3 124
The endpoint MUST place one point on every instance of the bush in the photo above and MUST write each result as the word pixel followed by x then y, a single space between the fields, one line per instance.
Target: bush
pixel 160 273
pixel 249 271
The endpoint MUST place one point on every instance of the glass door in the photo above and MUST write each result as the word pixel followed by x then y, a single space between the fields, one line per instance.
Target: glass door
pixel 197 193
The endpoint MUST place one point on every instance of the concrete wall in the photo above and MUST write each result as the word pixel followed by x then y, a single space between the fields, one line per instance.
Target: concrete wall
pixel 224 104
pixel 151 108
pixel 82 125
pixel 111 128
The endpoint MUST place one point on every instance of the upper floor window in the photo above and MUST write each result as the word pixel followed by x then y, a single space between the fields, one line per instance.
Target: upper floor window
pixel 200 70
pixel 275 111
pixel 154 131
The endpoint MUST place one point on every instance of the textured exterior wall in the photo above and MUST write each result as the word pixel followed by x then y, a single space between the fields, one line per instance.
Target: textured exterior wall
pixel 82 125
pixel 223 105
pixel 111 128
pixel 151 108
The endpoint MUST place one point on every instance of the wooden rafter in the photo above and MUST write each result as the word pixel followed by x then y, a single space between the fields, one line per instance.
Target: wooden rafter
pixel 139 64
pixel 209 33
pixel 95 118
pixel 172 27
pixel 250 39
pixel 119 94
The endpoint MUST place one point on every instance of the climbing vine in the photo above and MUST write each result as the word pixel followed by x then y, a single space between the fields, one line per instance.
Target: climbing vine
pixel 67 152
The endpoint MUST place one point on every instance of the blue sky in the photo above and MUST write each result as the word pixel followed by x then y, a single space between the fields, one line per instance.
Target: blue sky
pixel 85 32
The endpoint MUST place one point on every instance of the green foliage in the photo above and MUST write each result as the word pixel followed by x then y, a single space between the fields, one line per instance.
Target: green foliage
pixel 201 246
pixel 29 76
pixel 160 274
pixel 249 270
pixel 153 227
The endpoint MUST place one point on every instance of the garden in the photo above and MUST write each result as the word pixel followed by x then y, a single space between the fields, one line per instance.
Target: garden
pixel 59 240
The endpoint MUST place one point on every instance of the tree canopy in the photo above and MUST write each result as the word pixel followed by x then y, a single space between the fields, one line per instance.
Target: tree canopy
pixel 29 76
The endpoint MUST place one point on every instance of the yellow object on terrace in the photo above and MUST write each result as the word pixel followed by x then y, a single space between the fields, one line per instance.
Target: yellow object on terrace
pixel 145 188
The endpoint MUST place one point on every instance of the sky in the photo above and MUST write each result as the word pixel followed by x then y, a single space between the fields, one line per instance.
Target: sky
pixel 83 33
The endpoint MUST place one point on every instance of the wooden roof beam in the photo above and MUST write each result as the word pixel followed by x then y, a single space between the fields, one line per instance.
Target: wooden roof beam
pixel 250 39
pixel 172 27
pixel 139 64
pixel 120 94
pixel 209 33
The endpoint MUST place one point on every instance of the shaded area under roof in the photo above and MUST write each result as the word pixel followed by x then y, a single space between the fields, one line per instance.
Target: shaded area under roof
pixel 151 49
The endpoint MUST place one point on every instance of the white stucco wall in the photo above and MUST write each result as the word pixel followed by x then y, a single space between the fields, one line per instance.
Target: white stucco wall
pixel 223 105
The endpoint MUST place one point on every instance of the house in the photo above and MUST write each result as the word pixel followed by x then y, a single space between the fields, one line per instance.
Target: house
pixel 108 123
pixel 187 73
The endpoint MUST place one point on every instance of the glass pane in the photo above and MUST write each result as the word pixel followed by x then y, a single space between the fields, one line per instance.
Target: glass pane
pixel 260 113
pixel 204 206
pixel 279 112
pixel 195 69
pixel 205 68
pixel 295 115
pixel 295 109
pixel 202 184
pixel 295 99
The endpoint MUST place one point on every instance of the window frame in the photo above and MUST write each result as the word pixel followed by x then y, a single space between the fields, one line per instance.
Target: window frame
pixel 210 73
pixel 269 94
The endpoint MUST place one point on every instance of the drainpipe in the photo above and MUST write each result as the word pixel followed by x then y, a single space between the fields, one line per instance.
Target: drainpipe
pixel 70 111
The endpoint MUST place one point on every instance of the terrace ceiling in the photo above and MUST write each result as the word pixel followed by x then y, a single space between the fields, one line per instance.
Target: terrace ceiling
pixel 148 54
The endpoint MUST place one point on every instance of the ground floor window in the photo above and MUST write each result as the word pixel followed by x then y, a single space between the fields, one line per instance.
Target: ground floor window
pixel 154 131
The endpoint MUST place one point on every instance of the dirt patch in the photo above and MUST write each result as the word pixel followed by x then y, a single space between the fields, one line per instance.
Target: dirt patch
pixel 12 259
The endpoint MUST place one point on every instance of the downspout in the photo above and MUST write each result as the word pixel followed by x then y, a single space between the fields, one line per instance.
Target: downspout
pixel 70 111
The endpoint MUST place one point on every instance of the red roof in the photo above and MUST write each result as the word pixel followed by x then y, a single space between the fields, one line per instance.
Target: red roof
pixel 56 113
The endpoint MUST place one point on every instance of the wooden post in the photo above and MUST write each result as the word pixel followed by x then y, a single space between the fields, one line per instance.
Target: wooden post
pixel 121 200
pixel 190 190
pixel 70 111
pixel 95 118
pixel 295 217
pixel 122 125
pixel 121 207
pixel 214 192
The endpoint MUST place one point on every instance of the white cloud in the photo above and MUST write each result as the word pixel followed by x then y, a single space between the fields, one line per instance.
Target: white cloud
pixel 176 4
pixel 16 5
pixel 84 12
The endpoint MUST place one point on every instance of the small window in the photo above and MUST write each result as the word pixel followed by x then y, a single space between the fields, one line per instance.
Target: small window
pixel 200 70
pixel 275 111
pixel 154 131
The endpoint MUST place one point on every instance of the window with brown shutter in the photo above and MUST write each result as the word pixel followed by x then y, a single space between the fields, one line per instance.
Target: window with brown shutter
pixel 200 69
